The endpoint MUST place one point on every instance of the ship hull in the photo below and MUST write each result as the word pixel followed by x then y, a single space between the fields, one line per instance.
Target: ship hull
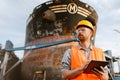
pixel 50 22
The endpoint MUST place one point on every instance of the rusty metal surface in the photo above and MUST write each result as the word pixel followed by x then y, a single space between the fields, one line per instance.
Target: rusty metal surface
pixel 51 19
pixel 45 59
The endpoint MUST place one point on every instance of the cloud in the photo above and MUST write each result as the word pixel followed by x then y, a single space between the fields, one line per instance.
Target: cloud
pixel 13 18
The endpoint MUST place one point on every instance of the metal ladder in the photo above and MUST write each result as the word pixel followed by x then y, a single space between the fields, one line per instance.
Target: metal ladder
pixel 39 75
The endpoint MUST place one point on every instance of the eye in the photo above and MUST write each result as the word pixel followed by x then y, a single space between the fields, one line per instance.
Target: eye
pixel 81 29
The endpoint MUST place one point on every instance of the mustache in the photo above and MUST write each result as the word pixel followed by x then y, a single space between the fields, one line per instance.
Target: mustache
pixel 80 34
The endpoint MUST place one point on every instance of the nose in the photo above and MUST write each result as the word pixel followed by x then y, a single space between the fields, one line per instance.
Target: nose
pixel 79 31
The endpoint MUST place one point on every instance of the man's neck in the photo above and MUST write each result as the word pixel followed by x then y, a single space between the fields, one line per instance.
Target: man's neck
pixel 85 44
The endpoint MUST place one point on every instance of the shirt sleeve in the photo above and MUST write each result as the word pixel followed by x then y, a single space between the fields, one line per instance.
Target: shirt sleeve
pixel 66 60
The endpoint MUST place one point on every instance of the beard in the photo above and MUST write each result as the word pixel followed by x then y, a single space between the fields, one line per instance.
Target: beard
pixel 81 37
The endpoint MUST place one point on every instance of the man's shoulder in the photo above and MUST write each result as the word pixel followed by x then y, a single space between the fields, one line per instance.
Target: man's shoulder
pixel 67 52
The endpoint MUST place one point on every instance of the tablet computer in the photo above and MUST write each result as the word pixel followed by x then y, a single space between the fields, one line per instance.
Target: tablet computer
pixel 95 64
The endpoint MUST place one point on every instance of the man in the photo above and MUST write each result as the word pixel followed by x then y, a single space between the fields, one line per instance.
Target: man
pixel 77 58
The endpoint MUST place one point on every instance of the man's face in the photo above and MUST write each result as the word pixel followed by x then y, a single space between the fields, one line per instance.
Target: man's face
pixel 84 33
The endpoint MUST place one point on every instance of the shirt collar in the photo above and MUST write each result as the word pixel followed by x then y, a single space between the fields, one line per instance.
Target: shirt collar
pixel 80 47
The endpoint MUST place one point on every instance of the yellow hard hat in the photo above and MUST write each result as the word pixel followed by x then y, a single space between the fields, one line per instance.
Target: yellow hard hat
pixel 85 23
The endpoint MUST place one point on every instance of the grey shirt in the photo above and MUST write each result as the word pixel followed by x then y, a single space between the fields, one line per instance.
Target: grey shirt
pixel 66 57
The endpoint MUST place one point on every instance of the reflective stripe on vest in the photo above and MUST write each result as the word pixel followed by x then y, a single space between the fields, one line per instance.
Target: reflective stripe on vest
pixel 78 59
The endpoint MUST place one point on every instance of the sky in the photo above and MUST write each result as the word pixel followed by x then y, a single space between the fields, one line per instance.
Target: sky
pixel 14 14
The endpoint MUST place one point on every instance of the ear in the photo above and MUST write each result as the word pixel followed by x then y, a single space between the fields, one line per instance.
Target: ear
pixel 92 33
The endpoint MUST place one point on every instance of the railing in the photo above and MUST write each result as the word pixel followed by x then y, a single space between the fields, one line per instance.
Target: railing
pixel 30 48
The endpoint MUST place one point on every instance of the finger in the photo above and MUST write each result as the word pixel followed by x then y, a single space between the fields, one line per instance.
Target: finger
pixel 88 61
pixel 102 69
pixel 96 73
pixel 86 64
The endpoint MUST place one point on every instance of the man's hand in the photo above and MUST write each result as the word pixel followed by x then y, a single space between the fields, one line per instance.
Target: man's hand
pixel 67 74
pixel 102 74
pixel 85 65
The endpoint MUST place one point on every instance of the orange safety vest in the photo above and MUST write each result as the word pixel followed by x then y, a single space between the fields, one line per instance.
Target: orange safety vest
pixel 78 59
